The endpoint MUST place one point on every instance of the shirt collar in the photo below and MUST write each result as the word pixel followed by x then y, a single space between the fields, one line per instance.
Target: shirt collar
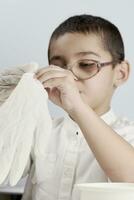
pixel 108 117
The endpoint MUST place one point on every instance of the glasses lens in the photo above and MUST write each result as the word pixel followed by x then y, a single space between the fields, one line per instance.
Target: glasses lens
pixel 85 69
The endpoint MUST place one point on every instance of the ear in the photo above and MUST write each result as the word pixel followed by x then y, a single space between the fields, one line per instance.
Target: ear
pixel 122 72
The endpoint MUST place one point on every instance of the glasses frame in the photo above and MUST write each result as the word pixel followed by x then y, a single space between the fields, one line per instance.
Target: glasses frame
pixel 98 64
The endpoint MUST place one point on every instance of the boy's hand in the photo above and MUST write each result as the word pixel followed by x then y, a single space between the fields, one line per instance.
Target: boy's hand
pixel 61 87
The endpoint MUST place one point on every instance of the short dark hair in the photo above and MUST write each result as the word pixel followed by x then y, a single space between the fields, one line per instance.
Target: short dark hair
pixel 86 24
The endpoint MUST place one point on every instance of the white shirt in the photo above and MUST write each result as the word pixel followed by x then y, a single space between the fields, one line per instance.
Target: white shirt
pixel 69 160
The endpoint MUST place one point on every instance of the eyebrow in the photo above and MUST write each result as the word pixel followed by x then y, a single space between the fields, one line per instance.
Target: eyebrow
pixel 83 53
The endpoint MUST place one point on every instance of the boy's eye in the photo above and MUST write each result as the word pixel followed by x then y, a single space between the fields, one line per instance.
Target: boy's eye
pixel 87 64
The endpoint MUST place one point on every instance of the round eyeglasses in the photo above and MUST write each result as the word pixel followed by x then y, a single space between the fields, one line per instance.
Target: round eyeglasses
pixel 85 69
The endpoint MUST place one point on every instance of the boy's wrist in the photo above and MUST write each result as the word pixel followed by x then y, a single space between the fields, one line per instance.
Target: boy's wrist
pixel 78 109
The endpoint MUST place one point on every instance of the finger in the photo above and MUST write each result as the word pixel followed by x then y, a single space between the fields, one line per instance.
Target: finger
pixel 40 71
pixel 56 82
pixel 56 74
pixel 51 75
pixel 49 68
pixel 53 71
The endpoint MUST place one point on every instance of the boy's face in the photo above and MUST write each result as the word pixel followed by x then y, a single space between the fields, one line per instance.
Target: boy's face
pixel 72 47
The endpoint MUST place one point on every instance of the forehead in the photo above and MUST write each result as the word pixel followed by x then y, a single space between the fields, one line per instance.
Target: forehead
pixel 70 44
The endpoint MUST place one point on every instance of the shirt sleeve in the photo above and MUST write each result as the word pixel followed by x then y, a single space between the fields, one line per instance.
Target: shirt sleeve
pixel 125 129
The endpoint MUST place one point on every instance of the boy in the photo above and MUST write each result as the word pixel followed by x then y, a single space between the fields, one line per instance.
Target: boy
pixel 92 49
pixel 90 144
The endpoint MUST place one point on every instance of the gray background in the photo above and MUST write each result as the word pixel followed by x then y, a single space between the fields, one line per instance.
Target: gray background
pixel 26 25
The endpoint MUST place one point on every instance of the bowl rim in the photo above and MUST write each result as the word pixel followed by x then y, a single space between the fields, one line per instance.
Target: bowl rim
pixel 107 187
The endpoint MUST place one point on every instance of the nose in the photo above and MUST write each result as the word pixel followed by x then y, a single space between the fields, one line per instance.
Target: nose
pixel 69 66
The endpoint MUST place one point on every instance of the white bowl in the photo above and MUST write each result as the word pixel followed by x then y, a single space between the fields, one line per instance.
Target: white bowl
pixel 106 191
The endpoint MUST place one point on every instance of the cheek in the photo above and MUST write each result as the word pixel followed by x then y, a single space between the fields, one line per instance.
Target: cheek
pixel 97 89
